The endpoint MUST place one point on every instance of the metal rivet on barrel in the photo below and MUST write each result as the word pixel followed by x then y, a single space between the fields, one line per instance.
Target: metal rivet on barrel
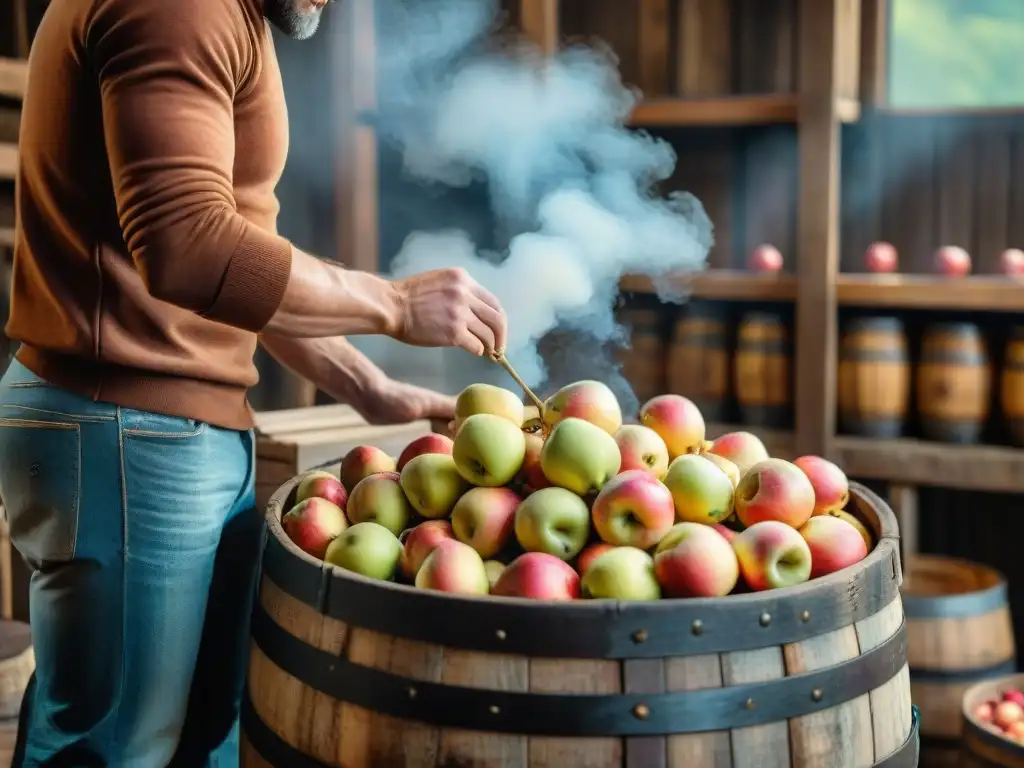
pixel 765 619
pixel 805 616
pixel 697 627
pixel 750 704
pixel 411 692
pixel 817 694
pixel 641 711
pixel 494 709
pixel 501 634
pixel 640 636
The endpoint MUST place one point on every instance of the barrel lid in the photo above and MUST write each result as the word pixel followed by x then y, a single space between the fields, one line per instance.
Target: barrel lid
pixel 893 324
pixel 15 638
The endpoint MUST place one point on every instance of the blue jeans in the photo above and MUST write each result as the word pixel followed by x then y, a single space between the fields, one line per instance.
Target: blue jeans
pixel 144 544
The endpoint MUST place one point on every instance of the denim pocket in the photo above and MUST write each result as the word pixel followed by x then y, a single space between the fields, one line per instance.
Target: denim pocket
pixel 40 482
pixel 139 424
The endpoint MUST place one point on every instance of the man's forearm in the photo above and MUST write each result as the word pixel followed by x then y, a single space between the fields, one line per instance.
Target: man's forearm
pixel 332 364
pixel 325 300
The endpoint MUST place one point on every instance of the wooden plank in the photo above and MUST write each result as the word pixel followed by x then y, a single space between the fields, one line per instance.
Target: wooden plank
pixel 767 54
pixel 979 293
pixel 818 227
pixel 354 51
pixel 1017 192
pixel 654 33
pixel 992 198
pixel 770 191
pixel 729 110
pixel 539 20
pixel 849 48
pixel 909 202
pixel 316 417
pixel 874 52
pixel 8 162
pixel 861 195
pixel 725 284
pixel 955 186
pixel 919 462
pixel 903 499
pixel 704 51
pixel 13 78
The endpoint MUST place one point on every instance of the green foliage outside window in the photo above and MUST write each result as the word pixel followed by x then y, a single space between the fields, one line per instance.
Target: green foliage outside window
pixel 956 53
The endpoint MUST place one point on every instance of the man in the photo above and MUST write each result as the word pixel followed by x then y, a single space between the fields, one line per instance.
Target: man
pixel 146 267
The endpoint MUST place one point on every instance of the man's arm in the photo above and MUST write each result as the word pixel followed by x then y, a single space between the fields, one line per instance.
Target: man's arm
pixel 347 375
pixel 168 75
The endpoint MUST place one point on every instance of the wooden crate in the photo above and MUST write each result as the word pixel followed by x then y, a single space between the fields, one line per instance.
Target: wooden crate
pixel 294 440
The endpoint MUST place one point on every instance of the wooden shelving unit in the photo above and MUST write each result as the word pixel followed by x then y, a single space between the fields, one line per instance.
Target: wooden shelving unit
pixel 722 284
pixel 978 293
pixel 768 109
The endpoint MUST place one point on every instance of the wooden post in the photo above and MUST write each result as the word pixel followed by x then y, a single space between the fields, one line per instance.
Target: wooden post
pixel 539 19
pixel 903 499
pixel 874 59
pixel 822 24
pixel 355 60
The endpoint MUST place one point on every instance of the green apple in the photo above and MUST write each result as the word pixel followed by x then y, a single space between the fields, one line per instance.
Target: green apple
pixel 623 573
pixel 579 456
pixel 701 490
pixel 487 398
pixel 489 450
pixel 494 570
pixel 379 499
pixel 432 484
pixel 554 521
pixel 368 549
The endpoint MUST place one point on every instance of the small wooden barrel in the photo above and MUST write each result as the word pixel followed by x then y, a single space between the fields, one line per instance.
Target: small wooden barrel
pixel 874 378
pixel 347 671
pixel 643 364
pixel 1011 389
pixel 959 633
pixel 698 360
pixel 954 382
pixel 984 746
pixel 764 391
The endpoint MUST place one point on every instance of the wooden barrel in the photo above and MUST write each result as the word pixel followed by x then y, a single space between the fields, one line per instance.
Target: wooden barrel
pixel 959 633
pixel 764 390
pixel 983 746
pixel 347 671
pixel 954 381
pixel 1011 389
pixel 874 378
pixel 643 363
pixel 698 359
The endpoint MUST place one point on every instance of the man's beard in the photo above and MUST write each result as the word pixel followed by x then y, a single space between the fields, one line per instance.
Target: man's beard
pixel 284 15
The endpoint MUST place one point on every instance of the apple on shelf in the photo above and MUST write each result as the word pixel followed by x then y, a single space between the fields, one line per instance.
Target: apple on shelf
pixel 1011 262
pixel 881 258
pixel 953 261
pixel 568 502
pixel 765 258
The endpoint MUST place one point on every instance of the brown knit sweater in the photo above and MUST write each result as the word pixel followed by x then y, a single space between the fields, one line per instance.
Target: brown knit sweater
pixel 146 257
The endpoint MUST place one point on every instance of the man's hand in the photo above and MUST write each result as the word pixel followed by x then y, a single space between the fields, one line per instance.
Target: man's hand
pixel 394 402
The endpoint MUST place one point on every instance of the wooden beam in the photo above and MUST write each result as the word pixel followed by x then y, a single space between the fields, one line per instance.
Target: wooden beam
pixel 874 52
pixel 13 78
pixel 539 19
pixel 721 284
pixel 822 24
pixel 356 188
pixel 654 42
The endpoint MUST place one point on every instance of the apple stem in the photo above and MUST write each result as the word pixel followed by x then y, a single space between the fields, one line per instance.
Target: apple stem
pixel 498 356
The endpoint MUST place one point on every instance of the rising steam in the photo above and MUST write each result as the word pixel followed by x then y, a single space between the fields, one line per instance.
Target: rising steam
pixel 568 183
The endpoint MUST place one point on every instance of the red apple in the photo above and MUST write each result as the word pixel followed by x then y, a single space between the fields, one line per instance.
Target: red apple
pixel 1007 713
pixel 321 485
pixel 728 533
pixel 766 258
pixel 743 449
pixel 591 401
pixel 633 509
pixel 831 487
pixel 678 422
pixel 953 261
pixel 589 554
pixel 1011 261
pixel 539 576
pixel 693 560
pixel 531 476
pixel 454 567
pixel 834 544
pixel 642 448
pixel 313 524
pixel 774 490
pixel 984 711
pixel 484 518
pixel 772 555
pixel 363 461
pixel 1014 695
pixel 1015 731
pixel 432 443
pixel 881 257
pixel 420 541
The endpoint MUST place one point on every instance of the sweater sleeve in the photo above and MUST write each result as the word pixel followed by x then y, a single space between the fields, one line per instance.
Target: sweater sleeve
pixel 168 73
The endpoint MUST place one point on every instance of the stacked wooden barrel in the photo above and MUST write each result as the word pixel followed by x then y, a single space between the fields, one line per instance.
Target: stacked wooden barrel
pixel 1011 385
pixel 698 360
pixel 347 671
pixel 643 362
pixel 764 388
pixel 954 383
pixel 874 378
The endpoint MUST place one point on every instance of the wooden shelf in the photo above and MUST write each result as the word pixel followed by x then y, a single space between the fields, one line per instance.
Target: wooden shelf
pixel 13 77
pixel 723 284
pixel 993 293
pixel 778 442
pixel 776 108
pixel 1009 110
pixel 8 161
pixel 917 462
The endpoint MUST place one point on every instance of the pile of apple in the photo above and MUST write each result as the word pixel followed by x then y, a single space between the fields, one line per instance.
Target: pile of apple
pixel 574 503
pixel 1004 715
